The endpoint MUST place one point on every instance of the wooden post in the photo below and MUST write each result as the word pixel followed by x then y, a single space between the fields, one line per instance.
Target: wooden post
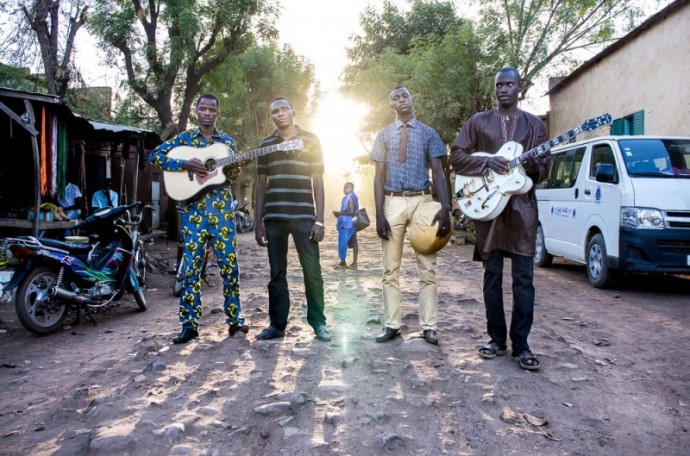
pixel 37 167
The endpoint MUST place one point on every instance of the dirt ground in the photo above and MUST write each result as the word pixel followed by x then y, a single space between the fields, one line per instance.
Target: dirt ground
pixel 613 381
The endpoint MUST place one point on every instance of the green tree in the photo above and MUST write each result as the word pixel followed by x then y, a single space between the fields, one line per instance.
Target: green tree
pixel 167 47
pixel 428 49
pixel 247 84
pixel 46 28
pixel 19 79
pixel 533 35
pixel 395 29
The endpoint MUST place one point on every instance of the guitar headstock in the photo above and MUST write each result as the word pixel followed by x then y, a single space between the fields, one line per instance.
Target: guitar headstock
pixel 291 145
pixel 593 124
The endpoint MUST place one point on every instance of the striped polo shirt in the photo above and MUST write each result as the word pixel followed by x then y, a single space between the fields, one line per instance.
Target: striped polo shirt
pixel 289 191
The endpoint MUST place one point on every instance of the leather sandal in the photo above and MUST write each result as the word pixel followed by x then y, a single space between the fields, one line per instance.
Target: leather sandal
pixel 491 350
pixel 527 360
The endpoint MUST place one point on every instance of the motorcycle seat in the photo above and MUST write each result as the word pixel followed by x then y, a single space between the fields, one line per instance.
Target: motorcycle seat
pixel 71 247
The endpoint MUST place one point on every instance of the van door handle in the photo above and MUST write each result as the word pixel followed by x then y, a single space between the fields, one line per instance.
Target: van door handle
pixel 577 192
pixel 588 191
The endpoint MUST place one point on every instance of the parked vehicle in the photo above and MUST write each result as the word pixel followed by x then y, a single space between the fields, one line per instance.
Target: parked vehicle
pixel 52 277
pixel 617 204
pixel 139 261
pixel 181 267
pixel 243 219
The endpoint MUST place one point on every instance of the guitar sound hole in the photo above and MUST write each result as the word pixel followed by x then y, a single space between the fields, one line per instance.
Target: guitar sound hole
pixel 210 165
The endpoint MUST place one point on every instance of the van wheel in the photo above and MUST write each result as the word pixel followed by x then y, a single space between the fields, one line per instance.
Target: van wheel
pixel 542 258
pixel 597 262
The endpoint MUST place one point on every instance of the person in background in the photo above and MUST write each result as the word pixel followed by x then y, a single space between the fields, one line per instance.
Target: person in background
pixel 71 201
pixel 105 197
pixel 290 201
pixel 347 235
pixel 404 152
pixel 207 218
pixel 513 232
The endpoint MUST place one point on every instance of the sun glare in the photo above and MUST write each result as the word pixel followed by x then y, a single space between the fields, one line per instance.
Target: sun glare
pixel 336 123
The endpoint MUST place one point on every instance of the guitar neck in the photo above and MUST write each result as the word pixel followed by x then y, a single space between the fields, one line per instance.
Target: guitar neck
pixel 249 154
pixel 540 149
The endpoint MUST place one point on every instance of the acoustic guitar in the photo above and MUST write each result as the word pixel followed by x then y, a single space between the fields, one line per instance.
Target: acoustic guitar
pixel 484 197
pixel 182 185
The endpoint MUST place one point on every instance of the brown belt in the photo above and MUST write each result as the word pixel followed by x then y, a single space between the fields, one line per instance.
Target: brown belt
pixel 409 193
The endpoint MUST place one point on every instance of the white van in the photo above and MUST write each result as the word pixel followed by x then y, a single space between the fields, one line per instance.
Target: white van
pixel 617 203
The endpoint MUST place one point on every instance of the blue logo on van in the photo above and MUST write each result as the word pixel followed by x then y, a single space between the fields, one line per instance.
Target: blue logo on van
pixel 597 195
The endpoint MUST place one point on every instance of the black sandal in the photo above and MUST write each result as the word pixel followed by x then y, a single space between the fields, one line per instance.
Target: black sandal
pixel 491 350
pixel 527 360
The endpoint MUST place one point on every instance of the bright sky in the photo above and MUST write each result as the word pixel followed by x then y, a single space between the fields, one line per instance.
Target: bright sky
pixel 320 30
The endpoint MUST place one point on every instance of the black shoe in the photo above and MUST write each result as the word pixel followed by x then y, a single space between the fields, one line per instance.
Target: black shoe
pixel 270 333
pixel 322 333
pixel 430 336
pixel 387 334
pixel 234 329
pixel 188 333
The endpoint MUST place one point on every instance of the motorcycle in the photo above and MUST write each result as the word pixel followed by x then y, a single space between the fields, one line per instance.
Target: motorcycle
pixel 139 261
pixel 51 276
pixel 243 219
pixel 180 268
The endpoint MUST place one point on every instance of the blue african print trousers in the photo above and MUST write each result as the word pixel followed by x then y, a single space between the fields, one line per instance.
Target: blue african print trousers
pixel 210 219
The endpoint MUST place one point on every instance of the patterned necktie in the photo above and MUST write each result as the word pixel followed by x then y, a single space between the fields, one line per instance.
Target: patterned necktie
pixel 402 155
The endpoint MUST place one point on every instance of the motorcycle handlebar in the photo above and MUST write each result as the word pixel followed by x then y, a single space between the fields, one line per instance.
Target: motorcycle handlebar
pixel 108 213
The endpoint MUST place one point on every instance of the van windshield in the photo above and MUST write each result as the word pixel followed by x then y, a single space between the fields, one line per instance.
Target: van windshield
pixel 646 157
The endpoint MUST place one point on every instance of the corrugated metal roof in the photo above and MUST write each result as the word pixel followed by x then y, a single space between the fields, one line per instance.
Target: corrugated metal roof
pixel 115 128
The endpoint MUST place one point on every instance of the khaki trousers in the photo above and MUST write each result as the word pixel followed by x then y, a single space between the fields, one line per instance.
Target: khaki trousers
pixel 398 210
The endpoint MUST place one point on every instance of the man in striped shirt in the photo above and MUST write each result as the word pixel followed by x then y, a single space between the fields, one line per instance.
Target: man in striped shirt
pixel 290 201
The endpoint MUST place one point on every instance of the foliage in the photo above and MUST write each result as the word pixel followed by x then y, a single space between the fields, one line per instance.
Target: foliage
pixel 20 79
pixel 45 33
pixel 131 110
pixel 534 35
pixel 247 83
pixel 166 47
pixel 448 63
pixel 396 30
pixel 431 51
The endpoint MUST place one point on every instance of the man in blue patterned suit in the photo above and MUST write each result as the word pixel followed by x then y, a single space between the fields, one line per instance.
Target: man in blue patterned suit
pixel 207 218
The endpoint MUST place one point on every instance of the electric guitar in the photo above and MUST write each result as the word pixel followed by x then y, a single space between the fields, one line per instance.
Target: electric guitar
pixel 484 197
pixel 182 185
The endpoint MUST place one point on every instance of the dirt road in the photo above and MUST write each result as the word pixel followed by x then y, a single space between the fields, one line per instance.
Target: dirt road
pixel 614 376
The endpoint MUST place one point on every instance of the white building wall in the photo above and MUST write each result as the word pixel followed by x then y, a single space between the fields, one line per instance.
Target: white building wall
pixel 650 73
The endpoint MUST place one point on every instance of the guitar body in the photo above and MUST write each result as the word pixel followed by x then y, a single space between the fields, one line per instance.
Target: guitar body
pixel 182 185
pixel 484 197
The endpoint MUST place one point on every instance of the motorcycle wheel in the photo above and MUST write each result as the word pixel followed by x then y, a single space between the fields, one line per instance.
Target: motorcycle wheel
pixel 179 275
pixel 140 299
pixel 36 311
pixel 139 263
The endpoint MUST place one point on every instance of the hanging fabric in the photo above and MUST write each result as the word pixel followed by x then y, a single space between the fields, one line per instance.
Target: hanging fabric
pixel 53 154
pixel 49 152
pixel 62 159
pixel 43 160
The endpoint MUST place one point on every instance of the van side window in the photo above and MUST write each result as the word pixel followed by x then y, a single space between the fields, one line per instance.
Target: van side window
pixel 602 154
pixel 563 169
